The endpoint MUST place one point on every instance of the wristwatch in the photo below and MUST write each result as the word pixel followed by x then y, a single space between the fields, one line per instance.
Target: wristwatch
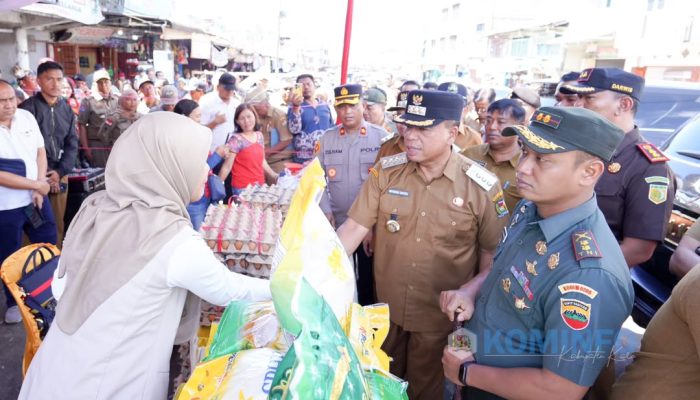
pixel 463 371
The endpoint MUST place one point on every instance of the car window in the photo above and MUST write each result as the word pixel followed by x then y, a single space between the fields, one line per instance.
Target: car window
pixel 687 140
pixel 663 110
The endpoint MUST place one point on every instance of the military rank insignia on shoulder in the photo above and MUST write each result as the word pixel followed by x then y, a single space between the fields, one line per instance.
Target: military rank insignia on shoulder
pixel 652 153
pixel 392 161
pixel 585 245
pixel 481 176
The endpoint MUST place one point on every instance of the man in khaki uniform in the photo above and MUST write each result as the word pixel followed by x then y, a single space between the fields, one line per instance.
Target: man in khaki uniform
pixel 393 144
pixel 120 120
pixel 467 136
pixel 435 219
pixel 273 125
pixel 500 155
pixel 93 111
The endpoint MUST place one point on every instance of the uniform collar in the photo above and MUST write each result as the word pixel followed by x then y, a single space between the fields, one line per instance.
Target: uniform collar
pixel 629 139
pixel 451 168
pixel 513 161
pixel 557 224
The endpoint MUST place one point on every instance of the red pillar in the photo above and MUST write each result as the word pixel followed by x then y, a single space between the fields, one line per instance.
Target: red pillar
pixel 346 44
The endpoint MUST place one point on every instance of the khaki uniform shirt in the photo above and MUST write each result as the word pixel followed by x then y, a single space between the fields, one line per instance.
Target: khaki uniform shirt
pixel 505 171
pixel 93 113
pixel 391 146
pixel 443 224
pixel 467 137
pixel 668 366
pixel 276 120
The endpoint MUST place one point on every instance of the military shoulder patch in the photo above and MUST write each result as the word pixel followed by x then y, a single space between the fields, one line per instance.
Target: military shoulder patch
pixel 500 205
pixel 658 194
pixel 481 176
pixel 392 161
pixel 575 313
pixel 585 245
pixel 652 153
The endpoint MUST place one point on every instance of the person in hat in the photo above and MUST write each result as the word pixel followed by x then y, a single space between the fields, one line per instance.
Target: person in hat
pixel 168 99
pixel 90 79
pixel 637 189
pixel 528 98
pixel 393 144
pixel 347 153
pixel 27 83
pixel 149 97
pixel 437 224
pixel 93 111
pixel 82 89
pixel 195 90
pixel 374 104
pixel 307 118
pixel 273 126
pixel 544 317
pixel 566 99
pixel 467 137
pixel 118 121
pixel 500 154
pixel 219 109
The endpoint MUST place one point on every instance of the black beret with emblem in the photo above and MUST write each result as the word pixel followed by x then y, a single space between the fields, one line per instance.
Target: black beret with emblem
pixel 562 129
pixel 453 87
pixel 347 94
pixel 594 80
pixel 401 101
pixel 427 108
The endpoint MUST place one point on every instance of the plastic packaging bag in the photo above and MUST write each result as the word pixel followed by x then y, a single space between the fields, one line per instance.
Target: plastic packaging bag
pixel 247 325
pixel 245 375
pixel 309 247
pixel 321 364
pixel 367 328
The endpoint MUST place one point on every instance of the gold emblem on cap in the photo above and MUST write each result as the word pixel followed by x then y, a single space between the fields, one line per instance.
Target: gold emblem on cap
pixel 539 116
pixel 614 168
pixel 537 140
pixel 553 261
pixel 417 99
pixel 506 284
pixel 531 267
pixel 541 247
pixel 404 96
pixel 343 91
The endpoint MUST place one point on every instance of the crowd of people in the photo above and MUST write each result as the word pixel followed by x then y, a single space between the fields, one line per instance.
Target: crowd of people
pixel 521 221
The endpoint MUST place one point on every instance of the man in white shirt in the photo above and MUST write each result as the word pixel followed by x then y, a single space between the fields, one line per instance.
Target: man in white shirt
pixel 24 207
pixel 218 109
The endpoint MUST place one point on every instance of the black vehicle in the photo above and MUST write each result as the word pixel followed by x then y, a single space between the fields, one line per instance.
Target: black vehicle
pixel 652 280
pixel 664 107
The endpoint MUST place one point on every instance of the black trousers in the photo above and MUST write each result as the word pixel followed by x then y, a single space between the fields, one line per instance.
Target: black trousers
pixel 364 272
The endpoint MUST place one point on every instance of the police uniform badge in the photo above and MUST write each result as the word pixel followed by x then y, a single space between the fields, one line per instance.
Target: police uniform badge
pixel 614 167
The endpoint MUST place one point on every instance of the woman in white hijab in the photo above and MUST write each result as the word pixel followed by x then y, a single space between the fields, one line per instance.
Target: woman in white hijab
pixel 129 260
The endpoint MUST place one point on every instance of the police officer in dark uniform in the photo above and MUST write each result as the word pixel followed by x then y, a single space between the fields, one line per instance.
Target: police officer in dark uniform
pixel 637 189
pixel 547 313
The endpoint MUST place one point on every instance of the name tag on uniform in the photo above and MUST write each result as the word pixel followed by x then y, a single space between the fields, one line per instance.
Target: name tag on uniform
pixel 398 192
pixel 482 177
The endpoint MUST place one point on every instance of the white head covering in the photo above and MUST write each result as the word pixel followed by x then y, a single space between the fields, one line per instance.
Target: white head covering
pixel 152 172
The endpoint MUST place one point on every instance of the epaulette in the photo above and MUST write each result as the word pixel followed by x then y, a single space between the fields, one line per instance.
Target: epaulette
pixel 481 176
pixel 392 161
pixel 388 138
pixel 652 153
pixel 585 245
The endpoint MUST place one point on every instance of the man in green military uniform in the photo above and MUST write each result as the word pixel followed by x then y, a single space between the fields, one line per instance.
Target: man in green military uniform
pixel 374 102
pixel 545 317
pixel 93 111
pixel 117 122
